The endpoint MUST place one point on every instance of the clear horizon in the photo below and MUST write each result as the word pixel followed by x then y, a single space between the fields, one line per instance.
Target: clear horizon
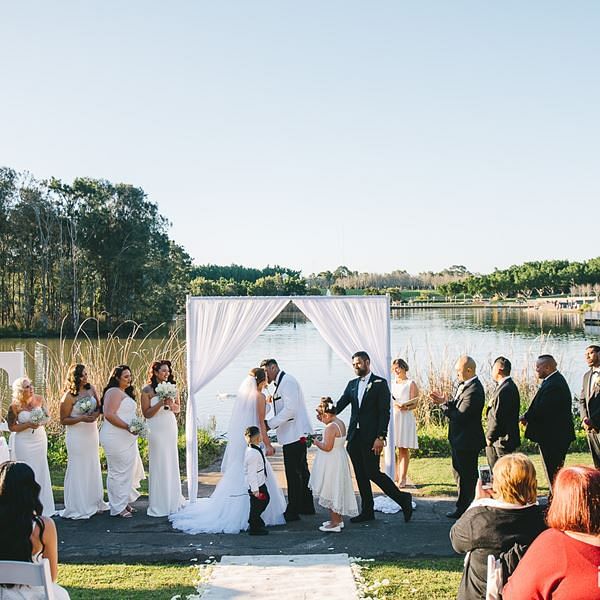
pixel 379 137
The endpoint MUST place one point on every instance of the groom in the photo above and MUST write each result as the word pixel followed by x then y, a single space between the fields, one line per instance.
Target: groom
pixel 292 423
pixel 369 396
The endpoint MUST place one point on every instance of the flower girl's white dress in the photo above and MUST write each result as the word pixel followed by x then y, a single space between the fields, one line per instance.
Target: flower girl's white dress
pixel 331 479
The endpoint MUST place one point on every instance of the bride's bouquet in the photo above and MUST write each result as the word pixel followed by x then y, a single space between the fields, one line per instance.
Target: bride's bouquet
pixel 39 416
pixel 138 427
pixel 86 406
pixel 166 390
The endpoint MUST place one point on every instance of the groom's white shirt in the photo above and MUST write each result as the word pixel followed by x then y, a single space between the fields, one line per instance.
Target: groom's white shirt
pixel 291 417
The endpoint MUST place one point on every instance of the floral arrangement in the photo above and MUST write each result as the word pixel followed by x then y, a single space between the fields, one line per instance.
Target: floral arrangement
pixel 166 390
pixel 307 440
pixel 86 405
pixel 39 416
pixel 138 427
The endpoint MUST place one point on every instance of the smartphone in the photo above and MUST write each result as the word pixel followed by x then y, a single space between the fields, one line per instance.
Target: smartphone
pixel 485 476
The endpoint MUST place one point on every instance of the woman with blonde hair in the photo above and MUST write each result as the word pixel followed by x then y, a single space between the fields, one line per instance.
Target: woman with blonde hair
pixel 79 412
pixel 28 441
pixel 502 520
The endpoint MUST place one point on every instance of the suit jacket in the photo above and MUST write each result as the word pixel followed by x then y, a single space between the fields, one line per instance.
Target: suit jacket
pixel 589 402
pixel 502 415
pixel 549 417
pixel 373 416
pixel 465 431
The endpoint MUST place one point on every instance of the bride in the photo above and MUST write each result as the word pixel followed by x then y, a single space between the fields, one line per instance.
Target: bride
pixel 228 508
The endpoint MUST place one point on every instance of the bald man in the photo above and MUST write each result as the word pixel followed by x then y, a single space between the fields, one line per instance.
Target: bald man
pixel 465 431
pixel 549 418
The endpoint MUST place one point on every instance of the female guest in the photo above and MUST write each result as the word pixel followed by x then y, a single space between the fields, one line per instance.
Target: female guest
pixel 505 519
pixel 562 563
pixel 79 412
pixel 28 442
pixel 164 480
pixel 406 396
pixel 125 469
pixel 26 535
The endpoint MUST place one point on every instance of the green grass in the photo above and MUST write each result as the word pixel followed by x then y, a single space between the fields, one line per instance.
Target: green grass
pixel 433 476
pixel 127 582
pixel 416 579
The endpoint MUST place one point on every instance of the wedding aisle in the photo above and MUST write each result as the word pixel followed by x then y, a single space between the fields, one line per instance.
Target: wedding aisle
pixel 294 577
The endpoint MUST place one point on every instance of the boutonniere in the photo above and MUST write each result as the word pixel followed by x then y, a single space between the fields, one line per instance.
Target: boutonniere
pixel 597 386
pixel 368 386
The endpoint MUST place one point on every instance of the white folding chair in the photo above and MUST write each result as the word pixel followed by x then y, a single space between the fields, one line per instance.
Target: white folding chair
pixel 22 573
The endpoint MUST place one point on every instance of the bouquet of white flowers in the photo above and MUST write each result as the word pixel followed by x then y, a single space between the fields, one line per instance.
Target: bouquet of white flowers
pixel 166 390
pixel 86 405
pixel 138 427
pixel 39 416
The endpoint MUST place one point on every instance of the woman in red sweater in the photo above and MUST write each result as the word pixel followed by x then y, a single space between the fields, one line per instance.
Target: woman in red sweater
pixel 563 563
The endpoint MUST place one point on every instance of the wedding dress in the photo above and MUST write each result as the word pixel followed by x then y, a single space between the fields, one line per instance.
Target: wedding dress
pixel 228 508
pixel 84 493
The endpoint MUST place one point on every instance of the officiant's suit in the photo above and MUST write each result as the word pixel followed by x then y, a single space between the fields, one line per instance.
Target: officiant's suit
pixel 590 409
pixel 368 421
pixel 465 434
pixel 502 415
pixel 550 422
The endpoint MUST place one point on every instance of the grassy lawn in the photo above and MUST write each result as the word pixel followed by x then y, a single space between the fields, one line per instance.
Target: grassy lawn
pixel 433 476
pixel 127 582
pixel 417 579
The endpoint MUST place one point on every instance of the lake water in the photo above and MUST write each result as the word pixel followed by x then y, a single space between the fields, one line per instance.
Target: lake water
pixel 429 339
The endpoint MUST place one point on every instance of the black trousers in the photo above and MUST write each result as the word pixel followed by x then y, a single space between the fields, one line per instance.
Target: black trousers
pixel 257 508
pixel 493 453
pixel 594 443
pixel 300 499
pixel 553 458
pixel 366 469
pixel 464 468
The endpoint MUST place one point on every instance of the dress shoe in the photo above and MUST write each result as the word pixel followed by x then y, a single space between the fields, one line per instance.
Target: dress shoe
pixel 336 529
pixel 454 514
pixel 258 532
pixel 289 517
pixel 407 509
pixel 362 518
pixel 328 523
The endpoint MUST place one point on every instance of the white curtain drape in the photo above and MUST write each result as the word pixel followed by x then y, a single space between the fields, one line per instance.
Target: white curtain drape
pixel 218 329
pixel 349 324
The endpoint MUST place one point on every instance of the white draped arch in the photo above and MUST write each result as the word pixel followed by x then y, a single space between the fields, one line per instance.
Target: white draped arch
pixel 219 328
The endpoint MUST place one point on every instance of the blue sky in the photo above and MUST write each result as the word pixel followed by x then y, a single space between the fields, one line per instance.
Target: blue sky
pixel 379 135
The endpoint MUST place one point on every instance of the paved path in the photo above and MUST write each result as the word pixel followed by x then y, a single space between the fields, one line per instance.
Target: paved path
pixel 146 539
pixel 273 577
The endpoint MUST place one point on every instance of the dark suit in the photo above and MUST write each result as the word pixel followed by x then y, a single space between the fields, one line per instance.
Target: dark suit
pixel 590 409
pixel 550 423
pixel 367 422
pixel 502 415
pixel 465 434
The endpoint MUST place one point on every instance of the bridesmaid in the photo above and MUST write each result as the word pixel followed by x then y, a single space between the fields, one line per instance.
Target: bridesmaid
pixel 164 480
pixel 125 469
pixel 84 494
pixel 29 443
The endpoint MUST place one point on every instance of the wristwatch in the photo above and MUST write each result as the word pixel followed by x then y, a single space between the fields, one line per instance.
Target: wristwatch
pixel 381 437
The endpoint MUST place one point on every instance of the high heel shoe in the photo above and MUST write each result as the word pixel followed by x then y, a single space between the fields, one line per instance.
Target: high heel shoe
pixel 328 523
pixel 336 529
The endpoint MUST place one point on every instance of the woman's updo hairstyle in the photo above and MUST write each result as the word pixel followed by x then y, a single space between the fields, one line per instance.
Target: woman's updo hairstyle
pixel 258 374
pixel 400 362
pixel 326 406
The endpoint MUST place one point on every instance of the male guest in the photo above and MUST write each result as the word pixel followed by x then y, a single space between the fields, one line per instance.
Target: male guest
pixel 369 396
pixel 465 432
pixel 590 402
pixel 292 423
pixel 502 432
pixel 549 420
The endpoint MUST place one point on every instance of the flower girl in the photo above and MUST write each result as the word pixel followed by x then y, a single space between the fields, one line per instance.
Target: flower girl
pixel 330 479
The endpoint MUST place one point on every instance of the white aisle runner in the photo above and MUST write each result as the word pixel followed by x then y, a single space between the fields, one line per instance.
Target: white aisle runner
pixel 293 577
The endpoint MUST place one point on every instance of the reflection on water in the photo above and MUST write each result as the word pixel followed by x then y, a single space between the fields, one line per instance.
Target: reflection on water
pixel 429 339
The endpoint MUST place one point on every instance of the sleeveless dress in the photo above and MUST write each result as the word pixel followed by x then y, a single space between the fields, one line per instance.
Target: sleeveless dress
pixel 31 446
pixel 164 494
pixel 125 469
pixel 331 479
pixel 405 426
pixel 84 493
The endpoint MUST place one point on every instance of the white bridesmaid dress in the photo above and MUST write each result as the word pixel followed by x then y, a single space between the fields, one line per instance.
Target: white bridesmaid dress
pixel 405 425
pixel 31 446
pixel 164 483
pixel 84 494
pixel 125 468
